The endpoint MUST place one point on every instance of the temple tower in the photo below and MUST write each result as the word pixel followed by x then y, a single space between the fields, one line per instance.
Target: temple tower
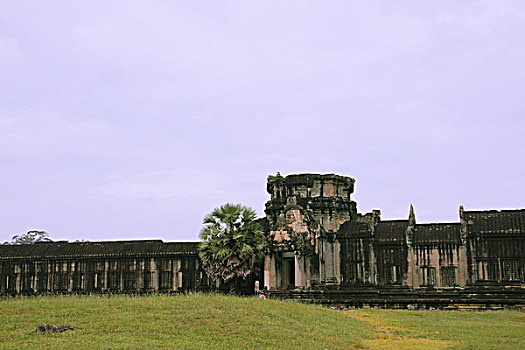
pixel 304 213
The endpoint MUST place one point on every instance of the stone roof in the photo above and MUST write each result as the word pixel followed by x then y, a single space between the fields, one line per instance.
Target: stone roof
pixel 308 179
pixel 437 233
pixel 64 249
pixel 495 221
pixel 391 231
pixel 354 229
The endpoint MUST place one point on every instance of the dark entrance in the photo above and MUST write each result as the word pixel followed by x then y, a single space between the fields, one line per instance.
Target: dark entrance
pixel 288 273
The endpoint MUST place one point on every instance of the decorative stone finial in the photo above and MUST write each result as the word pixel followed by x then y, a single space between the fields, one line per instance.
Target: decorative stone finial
pixel 411 216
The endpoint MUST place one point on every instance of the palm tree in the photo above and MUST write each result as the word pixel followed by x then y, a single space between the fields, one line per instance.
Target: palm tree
pixel 232 242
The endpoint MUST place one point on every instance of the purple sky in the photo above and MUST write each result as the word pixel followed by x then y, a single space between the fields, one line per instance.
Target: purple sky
pixel 133 119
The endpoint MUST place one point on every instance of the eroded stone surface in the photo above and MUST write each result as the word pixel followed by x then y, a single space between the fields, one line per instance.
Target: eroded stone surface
pixel 304 213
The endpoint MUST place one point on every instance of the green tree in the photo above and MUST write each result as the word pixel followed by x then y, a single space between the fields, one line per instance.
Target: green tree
pixel 30 237
pixel 232 242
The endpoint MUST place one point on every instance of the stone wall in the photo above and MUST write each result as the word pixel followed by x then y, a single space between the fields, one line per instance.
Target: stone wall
pixel 60 267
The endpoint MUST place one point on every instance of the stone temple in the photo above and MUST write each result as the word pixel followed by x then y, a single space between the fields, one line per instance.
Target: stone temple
pixel 317 248
pixel 317 237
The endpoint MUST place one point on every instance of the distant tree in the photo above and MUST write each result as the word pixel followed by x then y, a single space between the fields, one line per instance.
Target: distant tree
pixel 30 237
pixel 232 242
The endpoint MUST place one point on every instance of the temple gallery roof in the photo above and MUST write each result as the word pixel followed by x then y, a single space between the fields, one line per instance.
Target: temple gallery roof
pixel 495 221
pixel 354 229
pixel 64 249
pixel 437 233
pixel 391 230
pixel 394 231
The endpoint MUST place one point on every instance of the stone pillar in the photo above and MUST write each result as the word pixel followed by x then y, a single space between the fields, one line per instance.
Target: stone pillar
pixel 154 275
pixel 179 274
pixel 198 274
pixel 329 263
pixel 372 277
pixel 106 269
pixel 330 277
pixel 140 273
pixel 466 260
pixel 267 272
pixel 2 279
pixel 71 270
pixel 51 275
pixel 411 277
pixel 337 261
pixel 322 260
pixel 121 270
pixel 307 271
pixel 48 285
pixel 273 273
pixel 175 271
pixel 298 262
pixel 35 278
pixel 18 280
pixel 462 275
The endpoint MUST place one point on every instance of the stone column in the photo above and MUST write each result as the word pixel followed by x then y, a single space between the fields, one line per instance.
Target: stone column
pixel 2 279
pixel 298 262
pixel 337 262
pixel 179 274
pixel 154 275
pixel 18 280
pixel 411 268
pixel 411 277
pixel 330 263
pixel 51 275
pixel 322 259
pixel 273 273
pixel 462 275
pixel 267 272
pixel 49 272
pixel 308 271
pixel 467 267
pixel 121 271
pixel 140 274
pixel 35 278
pixel 106 269
pixel 175 272
pixel 70 271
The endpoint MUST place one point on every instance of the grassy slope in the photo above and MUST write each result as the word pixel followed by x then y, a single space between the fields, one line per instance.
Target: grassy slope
pixel 189 322
pixel 213 321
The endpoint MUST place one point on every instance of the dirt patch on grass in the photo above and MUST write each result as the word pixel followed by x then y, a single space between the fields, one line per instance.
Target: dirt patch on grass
pixel 407 343
pixel 395 337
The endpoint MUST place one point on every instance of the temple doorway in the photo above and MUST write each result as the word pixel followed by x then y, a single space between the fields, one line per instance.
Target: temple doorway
pixel 288 273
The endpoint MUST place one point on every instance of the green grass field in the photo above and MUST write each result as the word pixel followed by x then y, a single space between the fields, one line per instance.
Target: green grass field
pixel 201 321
